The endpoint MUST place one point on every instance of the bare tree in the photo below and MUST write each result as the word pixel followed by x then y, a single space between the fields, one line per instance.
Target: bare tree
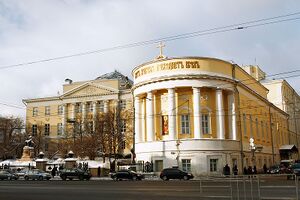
pixel 11 137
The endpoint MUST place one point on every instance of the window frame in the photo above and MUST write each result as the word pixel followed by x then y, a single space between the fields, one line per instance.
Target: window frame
pixel 185 122
pixel 186 165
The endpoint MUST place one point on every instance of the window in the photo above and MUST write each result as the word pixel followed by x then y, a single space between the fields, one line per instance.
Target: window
pixel 47 129
pixel 90 107
pixel 185 124
pixel 213 163
pixel 59 128
pixel 267 131
pixel 60 109
pixel 47 110
pixel 34 129
pixel 78 108
pixel 123 144
pixel 257 128
pixel 123 126
pixel 122 104
pixel 35 111
pixel 245 124
pixel 262 129
pixel 101 106
pixel 186 165
pixel 165 124
pixel 205 124
pixel 46 147
pixel 91 126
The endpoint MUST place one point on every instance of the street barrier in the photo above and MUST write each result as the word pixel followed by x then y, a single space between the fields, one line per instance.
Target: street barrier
pixel 250 187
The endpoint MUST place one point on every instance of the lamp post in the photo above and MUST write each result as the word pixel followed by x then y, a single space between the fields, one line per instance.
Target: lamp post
pixel 252 149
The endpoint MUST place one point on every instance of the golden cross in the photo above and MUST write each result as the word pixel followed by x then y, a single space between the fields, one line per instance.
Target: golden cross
pixel 160 46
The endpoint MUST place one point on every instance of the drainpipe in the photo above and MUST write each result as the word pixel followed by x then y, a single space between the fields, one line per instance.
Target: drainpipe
pixel 295 121
pixel 240 125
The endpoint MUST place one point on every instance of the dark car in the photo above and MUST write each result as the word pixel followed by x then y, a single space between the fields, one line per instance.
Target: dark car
pixel 75 173
pixel 274 170
pixel 126 174
pixel 175 173
pixel 296 169
pixel 4 174
pixel 36 174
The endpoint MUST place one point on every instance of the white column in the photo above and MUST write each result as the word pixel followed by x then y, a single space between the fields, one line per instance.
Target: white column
pixel 197 113
pixel 149 117
pixel 171 113
pixel 95 111
pixel 64 119
pixel 105 109
pixel 83 116
pixel 232 117
pixel 137 119
pixel 220 115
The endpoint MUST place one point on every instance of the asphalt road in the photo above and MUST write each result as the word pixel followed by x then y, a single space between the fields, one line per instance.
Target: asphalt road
pixel 142 190
pixel 92 190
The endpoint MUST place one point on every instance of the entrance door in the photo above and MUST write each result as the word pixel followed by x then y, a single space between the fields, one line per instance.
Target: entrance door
pixel 159 165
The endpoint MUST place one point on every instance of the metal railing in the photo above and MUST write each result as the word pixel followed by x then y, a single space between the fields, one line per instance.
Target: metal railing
pixel 249 187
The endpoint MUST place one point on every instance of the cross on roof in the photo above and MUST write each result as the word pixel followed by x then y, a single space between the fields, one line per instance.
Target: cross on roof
pixel 160 46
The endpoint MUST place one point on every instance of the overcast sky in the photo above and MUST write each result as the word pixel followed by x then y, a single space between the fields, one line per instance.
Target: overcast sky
pixel 33 30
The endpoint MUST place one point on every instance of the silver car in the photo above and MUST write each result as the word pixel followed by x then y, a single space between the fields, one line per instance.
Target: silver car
pixel 37 174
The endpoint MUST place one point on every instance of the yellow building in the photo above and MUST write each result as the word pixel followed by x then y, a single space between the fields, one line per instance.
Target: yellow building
pixel 81 103
pixel 200 113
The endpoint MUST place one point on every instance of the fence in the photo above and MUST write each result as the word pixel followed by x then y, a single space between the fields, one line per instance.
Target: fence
pixel 252 187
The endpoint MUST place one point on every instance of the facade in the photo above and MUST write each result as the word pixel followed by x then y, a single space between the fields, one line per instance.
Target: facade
pixel 81 104
pixel 201 113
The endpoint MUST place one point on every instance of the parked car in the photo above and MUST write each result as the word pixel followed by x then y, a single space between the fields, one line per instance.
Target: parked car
pixel 175 173
pixel 275 169
pixel 296 169
pixel 75 173
pixel 126 174
pixel 21 173
pixel 4 174
pixel 37 174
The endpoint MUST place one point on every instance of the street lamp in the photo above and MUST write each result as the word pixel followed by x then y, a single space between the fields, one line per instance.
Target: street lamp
pixel 253 148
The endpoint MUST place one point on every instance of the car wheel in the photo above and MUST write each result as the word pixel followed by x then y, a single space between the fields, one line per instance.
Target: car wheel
pixel 185 178
pixel 134 178
pixel 40 178
pixel 115 178
pixel 81 177
pixel 70 179
pixel 26 178
pixel 64 177
pixel 165 178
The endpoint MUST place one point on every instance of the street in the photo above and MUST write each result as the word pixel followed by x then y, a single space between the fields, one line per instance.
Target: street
pixel 147 189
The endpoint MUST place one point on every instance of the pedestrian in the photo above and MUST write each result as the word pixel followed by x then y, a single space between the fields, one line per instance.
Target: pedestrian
pixel 235 170
pixel 53 172
pixel 226 170
pixel 254 170
pixel 250 170
pixel 245 171
pixel 265 168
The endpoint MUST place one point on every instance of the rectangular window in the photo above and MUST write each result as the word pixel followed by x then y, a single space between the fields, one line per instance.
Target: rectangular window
pixel 245 124
pixel 47 110
pixel 46 147
pixel 213 163
pixel 60 109
pixel 91 126
pixel 267 131
pixel 123 144
pixel 47 129
pixel 186 165
pixel 59 128
pixel 262 129
pixel 90 107
pixel 257 128
pixel 78 108
pixel 185 124
pixel 101 106
pixel 34 129
pixel 35 111
pixel 123 126
pixel 122 104
pixel 205 124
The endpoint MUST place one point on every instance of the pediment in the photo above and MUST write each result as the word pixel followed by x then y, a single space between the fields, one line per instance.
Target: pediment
pixel 89 89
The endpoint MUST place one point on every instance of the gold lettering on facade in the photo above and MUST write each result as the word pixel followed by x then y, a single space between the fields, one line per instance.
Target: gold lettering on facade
pixel 167 66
